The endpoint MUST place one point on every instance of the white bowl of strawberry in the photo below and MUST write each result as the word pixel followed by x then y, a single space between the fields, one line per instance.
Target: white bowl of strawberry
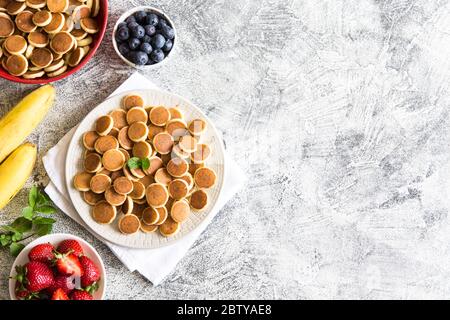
pixel 58 267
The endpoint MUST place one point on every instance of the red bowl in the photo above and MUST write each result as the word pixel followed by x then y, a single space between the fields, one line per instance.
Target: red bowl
pixel 102 20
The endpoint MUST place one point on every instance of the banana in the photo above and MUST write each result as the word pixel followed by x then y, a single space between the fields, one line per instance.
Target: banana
pixel 15 170
pixel 23 118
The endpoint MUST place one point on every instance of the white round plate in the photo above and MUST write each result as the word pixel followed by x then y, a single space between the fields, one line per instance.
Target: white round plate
pixel 54 239
pixel 74 164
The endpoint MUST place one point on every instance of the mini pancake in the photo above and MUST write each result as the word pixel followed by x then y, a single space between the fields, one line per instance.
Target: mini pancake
pixel 175 113
pixel 1 52
pixel 114 198
pixel 57 5
pixel 128 174
pixel 92 163
pixel 197 126
pixel 116 174
pixel 140 201
pixel 104 124
pixel 125 154
pixel 62 42
pixel 104 213
pixel 106 143
pixel 95 8
pixel 178 189
pixel 159 116
pixel 148 229
pixel 163 214
pixel 189 180
pixel 169 204
pixel 188 143
pixel 24 21
pixel 75 57
pixel 150 216
pixel 155 164
pixel 15 44
pixel 198 200
pixel 129 224
pixel 42 18
pixel 104 171
pixel 147 180
pixel 119 117
pixel 41 57
pixel 80 12
pixel 57 56
pixel 36 4
pixel 136 114
pixel 38 39
pixel 15 7
pixel 169 227
pixel 100 183
pixel 142 149
pixel 153 131
pixel 114 132
pixel 85 42
pixel 92 198
pixel 201 154
pixel 57 23
pixel 113 160
pixel 124 140
pixel 180 211
pixel 78 34
pixel 123 185
pixel 6 26
pixel 138 190
pixel 33 74
pixel 69 25
pixel 138 131
pixel 89 25
pixel 58 72
pixel 82 181
pixel 132 100
pixel 204 177
pixel 177 128
pixel 87 152
pixel 127 206
pixel 16 65
pixel 163 177
pixel 156 195
pixel 89 139
pixel 138 173
pixel 177 167
pixel 138 209
pixel 163 143
pixel 29 51
pixel 180 153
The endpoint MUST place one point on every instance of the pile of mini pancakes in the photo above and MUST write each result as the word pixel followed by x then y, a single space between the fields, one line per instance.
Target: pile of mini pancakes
pixel 45 37
pixel 160 195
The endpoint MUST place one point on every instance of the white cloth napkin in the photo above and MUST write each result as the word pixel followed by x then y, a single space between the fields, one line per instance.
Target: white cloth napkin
pixel 154 264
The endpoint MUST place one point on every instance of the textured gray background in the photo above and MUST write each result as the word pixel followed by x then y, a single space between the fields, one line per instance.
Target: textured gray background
pixel 338 112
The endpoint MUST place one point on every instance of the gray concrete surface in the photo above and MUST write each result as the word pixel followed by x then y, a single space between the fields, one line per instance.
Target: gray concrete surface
pixel 338 112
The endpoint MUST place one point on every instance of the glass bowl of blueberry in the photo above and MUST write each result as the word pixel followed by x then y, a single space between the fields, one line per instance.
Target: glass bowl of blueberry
pixel 144 37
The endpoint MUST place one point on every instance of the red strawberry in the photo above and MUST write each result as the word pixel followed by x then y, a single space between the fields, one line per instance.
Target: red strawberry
pixel 68 264
pixel 35 276
pixel 70 246
pixel 81 295
pixel 42 252
pixel 66 283
pixel 22 293
pixel 59 294
pixel 91 274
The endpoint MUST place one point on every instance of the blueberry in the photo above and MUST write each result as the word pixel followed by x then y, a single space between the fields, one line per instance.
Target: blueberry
pixel 152 19
pixel 132 24
pixel 146 47
pixel 162 22
pixel 146 39
pixel 167 46
pixel 124 49
pixel 157 55
pixel 123 34
pixel 140 58
pixel 167 32
pixel 140 16
pixel 121 25
pixel 158 41
pixel 150 30
pixel 134 43
pixel 130 19
pixel 138 32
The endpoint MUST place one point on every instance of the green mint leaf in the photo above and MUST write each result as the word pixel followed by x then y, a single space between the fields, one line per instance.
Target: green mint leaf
pixel 5 240
pixel 16 237
pixel 21 225
pixel 9 228
pixel 145 163
pixel 15 248
pixel 27 213
pixel 42 221
pixel 43 229
pixel 133 163
pixel 45 209
pixel 32 196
